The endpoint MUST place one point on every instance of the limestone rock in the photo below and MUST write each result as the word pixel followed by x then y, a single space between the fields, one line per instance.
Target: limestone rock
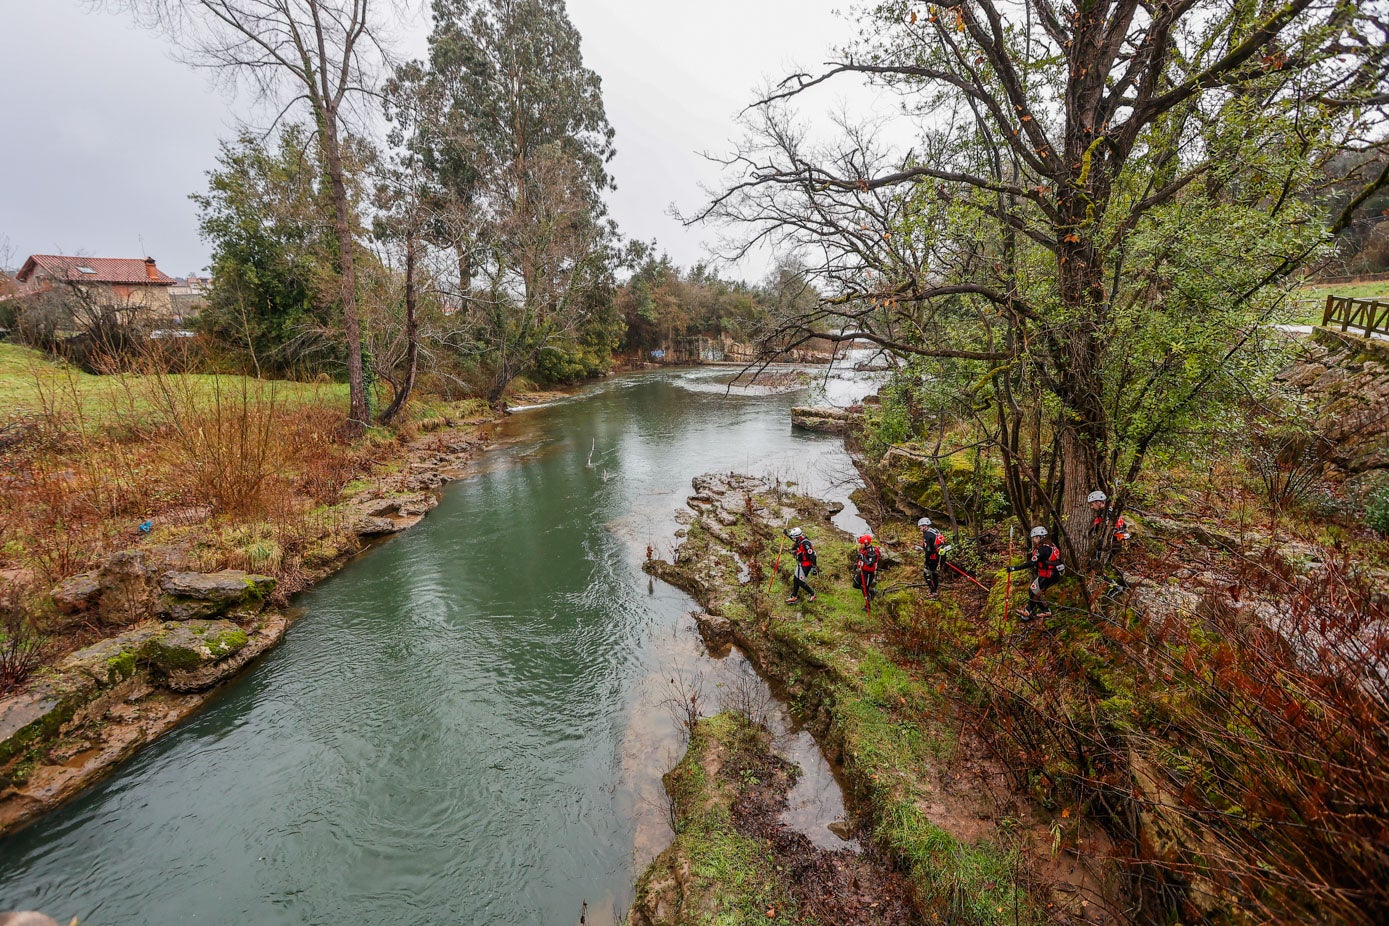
pixel 26 918
pixel 78 593
pixel 368 526
pixel 110 661
pixel 127 587
pixel 405 506
pixel 190 595
pixel 200 679
pixel 185 645
pixel 716 631
pixel 823 418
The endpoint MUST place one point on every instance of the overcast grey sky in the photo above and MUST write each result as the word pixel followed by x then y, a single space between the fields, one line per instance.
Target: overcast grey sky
pixel 106 133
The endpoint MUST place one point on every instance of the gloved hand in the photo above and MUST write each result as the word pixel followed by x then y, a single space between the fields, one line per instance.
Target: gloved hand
pixel 815 570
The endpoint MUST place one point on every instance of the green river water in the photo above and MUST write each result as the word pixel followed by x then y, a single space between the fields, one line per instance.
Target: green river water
pixel 466 726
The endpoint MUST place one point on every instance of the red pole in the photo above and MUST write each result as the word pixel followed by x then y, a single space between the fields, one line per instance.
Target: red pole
pixel 966 575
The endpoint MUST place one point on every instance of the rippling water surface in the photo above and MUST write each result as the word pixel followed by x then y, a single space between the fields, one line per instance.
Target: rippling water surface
pixel 466 726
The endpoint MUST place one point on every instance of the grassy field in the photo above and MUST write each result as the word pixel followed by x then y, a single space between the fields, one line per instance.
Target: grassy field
pixel 32 384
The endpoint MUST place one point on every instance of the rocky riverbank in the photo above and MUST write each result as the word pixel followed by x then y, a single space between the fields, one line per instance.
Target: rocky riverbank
pixel 163 636
pixel 734 860
pixel 972 846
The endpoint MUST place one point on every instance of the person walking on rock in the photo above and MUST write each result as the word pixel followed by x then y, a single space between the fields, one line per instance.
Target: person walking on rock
pixel 806 566
pixel 866 569
pixel 1045 562
pixel 934 546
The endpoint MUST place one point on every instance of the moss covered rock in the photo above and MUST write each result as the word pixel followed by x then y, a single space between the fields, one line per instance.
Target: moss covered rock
pixel 184 645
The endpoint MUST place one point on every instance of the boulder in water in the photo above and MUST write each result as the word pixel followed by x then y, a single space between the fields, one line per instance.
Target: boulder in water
pixel 716 631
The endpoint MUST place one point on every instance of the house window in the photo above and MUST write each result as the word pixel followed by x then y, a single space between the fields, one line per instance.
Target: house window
pixel 85 270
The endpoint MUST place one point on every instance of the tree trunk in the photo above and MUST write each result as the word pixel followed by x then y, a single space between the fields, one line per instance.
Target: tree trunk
pixel 412 336
pixel 358 415
pixel 1079 477
pixel 1082 426
pixel 465 269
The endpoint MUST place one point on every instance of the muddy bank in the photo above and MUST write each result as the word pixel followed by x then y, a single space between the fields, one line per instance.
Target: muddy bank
pixel 973 848
pixel 162 638
pixel 734 859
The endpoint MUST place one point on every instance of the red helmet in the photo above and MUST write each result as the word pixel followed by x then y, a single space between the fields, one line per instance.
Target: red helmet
pixel 865 539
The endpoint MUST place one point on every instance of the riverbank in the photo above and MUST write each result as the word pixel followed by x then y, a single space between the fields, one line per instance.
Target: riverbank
pixel 974 848
pixel 1201 744
pixel 735 860
pixel 123 644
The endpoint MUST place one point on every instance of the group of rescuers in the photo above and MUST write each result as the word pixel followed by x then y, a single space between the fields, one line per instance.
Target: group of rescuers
pixel 1043 559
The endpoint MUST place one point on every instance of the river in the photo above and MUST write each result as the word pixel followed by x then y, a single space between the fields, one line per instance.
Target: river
pixel 468 724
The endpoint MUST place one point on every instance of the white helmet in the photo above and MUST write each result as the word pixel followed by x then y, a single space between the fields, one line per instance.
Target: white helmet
pixel 1097 496
pixel 795 533
pixel 924 522
pixel 1038 532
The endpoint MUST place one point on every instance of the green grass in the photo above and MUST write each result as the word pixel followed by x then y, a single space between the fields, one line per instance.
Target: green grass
pixel 31 383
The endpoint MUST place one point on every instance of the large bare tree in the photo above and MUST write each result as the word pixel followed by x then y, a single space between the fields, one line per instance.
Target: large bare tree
pixel 318 53
pixel 1095 197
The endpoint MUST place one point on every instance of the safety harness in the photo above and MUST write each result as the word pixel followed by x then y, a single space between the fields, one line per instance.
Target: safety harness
pixel 1046 561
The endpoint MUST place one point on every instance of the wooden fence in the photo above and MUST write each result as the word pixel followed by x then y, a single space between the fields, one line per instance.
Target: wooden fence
pixel 1366 314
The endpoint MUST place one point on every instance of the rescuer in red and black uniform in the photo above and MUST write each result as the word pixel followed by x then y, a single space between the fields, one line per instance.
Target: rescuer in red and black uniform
pixel 933 548
pixel 1045 563
pixel 1109 533
pixel 805 565
pixel 866 568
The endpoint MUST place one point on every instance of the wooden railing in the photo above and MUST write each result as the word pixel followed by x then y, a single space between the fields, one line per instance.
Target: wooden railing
pixel 1366 314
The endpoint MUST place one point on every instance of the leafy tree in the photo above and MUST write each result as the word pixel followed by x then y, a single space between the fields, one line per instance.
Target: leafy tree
pixel 1098 200
pixel 518 143
pixel 273 279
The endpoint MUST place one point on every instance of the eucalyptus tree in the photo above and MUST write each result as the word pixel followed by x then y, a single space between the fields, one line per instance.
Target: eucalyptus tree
pixel 1081 236
pixel 517 142
pixel 319 53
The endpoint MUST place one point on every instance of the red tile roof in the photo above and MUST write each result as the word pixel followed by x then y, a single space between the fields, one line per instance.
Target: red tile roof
pixel 104 269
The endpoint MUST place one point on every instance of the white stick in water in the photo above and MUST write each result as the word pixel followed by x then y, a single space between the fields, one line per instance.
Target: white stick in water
pixel 592 447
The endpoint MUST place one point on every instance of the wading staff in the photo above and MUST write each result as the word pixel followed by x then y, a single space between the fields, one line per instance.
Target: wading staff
pixel 776 566
pixel 967 575
pixel 863 587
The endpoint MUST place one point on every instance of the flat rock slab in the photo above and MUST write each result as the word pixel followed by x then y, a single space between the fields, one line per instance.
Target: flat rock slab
pixel 181 646
pixel 368 526
pixel 191 595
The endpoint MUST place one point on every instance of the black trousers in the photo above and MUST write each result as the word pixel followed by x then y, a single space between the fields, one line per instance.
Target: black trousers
pixel 932 575
pixel 1035 602
pixel 799 583
pixel 864 582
